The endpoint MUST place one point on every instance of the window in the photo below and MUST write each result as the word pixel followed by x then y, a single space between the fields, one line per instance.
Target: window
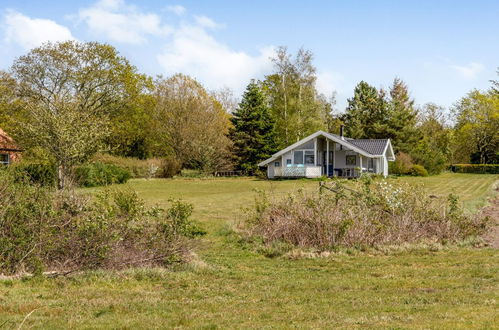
pixel 4 159
pixel 309 158
pixel 277 164
pixel 351 160
pixel 298 157
pixel 370 163
pixel 288 161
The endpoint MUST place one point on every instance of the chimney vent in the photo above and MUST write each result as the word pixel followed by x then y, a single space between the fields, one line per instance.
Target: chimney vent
pixel 341 131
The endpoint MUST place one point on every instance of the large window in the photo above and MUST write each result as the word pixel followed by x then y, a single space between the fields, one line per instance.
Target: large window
pixel 309 158
pixel 4 159
pixel 351 160
pixel 298 157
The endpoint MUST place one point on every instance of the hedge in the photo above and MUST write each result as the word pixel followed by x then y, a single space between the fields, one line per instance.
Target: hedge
pixel 99 174
pixel 475 168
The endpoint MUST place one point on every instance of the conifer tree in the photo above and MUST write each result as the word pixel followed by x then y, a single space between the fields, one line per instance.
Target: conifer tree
pixel 253 134
pixel 366 115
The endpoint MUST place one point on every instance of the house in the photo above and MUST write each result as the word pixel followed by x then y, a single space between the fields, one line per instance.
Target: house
pixel 326 154
pixel 8 150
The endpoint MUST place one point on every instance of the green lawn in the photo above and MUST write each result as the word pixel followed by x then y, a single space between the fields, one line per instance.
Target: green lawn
pixel 237 288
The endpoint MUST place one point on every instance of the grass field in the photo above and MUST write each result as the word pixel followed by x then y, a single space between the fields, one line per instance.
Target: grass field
pixel 232 287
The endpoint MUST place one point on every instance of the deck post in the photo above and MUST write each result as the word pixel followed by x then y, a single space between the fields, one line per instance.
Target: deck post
pixel 327 157
pixel 315 152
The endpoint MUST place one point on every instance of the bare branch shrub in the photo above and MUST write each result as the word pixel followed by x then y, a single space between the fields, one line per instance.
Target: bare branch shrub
pixel 368 214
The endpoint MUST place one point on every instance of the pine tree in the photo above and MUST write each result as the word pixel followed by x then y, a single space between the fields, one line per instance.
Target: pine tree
pixel 366 115
pixel 402 120
pixel 254 130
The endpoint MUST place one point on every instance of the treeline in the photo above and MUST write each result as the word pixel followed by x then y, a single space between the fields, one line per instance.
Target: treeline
pixel 63 102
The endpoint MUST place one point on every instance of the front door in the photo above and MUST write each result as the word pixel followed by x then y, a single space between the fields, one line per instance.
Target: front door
pixel 328 171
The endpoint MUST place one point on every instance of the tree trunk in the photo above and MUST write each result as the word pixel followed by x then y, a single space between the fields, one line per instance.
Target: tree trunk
pixel 61 177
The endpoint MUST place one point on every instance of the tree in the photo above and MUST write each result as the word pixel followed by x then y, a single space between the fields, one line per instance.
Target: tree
pixel 69 91
pixel 433 149
pixel 477 128
pixel 190 124
pixel 366 115
pixel 253 133
pixel 295 104
pixel 402 118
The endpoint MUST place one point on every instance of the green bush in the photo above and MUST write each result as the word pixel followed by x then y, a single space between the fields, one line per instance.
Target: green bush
pixel 418 170
pixel 99 174
pixel 138 168
pixel 35 173
pixel 475 168
pixel 47 230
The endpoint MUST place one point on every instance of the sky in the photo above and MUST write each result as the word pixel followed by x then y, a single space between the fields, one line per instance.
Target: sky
pixel 441 49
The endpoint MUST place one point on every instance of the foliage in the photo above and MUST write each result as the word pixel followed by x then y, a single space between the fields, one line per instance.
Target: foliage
pixel 190 125
pixel 99 174
pixel 253 134
pixel 295 104
pixel 64 231
pixel 367 214
pixel 402 165
pixel 475 168
pixel 476 137
pixel 169 167
pixel 366 115
pixel 433 150
pixel 43 174
pixel 418 170
pixel 138 168
pixel 69 91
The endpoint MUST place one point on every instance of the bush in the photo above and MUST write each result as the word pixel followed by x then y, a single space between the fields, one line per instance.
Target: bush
pixel 34 173
pixel 169 168
pixel 418 170
pixel 402 164
pixel 475 168
pixel 99 174
pixel 63 231
pixel 366 214
pixel 138 168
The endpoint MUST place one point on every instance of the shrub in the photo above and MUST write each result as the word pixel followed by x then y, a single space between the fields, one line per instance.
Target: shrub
pixel 475 168
pixel 366 214
pixel 35 173
pixel 418 170
pixel 402 164
pixel 169 168
pixel 138 168
pixel 43 229
pixel 99 174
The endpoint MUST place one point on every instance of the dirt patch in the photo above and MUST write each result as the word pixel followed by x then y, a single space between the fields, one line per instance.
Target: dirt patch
pixel 492 237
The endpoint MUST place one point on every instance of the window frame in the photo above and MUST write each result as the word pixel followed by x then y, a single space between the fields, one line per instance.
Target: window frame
pixel 5 162
pixel 277 163
pixel 349 157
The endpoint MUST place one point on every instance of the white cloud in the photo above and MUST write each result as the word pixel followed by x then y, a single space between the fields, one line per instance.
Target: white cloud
pixel 177 9
pixel 469 71
pixel 120 22
pixel 207 22
pixel 328 82
pixel 195 52
pixel 32 32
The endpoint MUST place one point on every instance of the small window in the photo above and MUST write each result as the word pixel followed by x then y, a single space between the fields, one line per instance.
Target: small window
pixel 370 163
pixel 298 157
pixel 4 159
pixel 288 161
pixel 309 158
pixel 351 160
pixel 277 164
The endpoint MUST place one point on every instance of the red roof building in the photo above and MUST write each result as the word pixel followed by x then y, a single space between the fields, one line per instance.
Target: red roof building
pixel 9 152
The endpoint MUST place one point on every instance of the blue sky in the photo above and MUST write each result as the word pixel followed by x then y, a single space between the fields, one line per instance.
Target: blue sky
pixel 441 49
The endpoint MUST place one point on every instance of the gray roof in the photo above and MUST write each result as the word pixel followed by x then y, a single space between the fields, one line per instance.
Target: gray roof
pixel 372 146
